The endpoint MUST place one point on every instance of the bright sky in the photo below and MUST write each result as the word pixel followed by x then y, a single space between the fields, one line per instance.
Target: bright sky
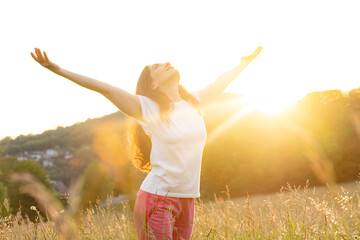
pixel 308 46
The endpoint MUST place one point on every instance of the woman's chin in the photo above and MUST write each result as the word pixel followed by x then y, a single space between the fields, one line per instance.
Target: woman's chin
pixel 177 75
pixel 174 77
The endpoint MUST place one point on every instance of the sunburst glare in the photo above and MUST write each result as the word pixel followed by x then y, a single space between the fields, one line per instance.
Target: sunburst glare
pixel 269 103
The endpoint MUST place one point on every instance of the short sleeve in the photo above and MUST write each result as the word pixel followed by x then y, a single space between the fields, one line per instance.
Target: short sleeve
pixel 150 112
pixel 196 95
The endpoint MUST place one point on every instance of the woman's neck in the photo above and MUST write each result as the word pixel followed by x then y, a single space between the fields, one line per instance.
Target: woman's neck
pixel 173 93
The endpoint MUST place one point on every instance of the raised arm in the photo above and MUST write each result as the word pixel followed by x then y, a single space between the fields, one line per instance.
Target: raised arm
pixel 126 102
pixel 210 92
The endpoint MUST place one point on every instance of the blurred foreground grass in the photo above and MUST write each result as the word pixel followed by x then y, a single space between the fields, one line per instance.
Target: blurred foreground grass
pixel 292 213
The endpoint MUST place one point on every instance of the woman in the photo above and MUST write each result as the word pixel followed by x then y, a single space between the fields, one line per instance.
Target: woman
pixel 167 141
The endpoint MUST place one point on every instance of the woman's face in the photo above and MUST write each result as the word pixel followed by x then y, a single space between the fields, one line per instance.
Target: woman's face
pixel 163 74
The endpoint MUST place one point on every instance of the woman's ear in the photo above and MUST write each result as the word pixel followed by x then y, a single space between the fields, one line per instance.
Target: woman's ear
pixel 154 86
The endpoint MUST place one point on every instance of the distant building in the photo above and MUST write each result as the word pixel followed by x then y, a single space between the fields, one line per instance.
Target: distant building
pixel 23 156
pixel 51 153
pixel 68 155
pixel 47 156
pixel 36 155
pixel 48 162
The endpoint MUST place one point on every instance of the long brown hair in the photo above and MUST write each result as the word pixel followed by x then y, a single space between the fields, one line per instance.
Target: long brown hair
pixel 140 143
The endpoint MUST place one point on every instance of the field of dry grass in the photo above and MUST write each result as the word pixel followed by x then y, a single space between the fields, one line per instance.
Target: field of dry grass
pixel 292 213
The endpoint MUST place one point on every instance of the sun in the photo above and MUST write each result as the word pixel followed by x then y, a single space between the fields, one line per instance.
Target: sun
pixel 268 103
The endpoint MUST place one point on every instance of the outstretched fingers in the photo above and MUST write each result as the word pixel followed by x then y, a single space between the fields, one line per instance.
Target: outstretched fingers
pixel 46 57
pixel 43 60
pixel 34 57
pixel 253 55
pixel 39 55
pixel 257 51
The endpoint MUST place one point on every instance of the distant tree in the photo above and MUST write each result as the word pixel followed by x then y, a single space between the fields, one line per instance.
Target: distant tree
pixel 23 201
pixel 3 195
pixel 7 165
pixel 97 184
pixel 6 140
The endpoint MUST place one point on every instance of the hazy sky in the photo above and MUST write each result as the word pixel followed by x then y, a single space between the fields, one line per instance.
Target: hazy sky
pixel 307 46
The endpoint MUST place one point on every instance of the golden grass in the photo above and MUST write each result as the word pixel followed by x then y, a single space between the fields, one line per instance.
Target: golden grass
pixel 292 213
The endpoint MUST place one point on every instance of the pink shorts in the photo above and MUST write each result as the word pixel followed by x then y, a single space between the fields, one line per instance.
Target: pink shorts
pixel 161 217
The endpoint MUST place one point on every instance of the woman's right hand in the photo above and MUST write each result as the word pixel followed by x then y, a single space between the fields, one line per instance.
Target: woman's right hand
pixel 44 61
pixel 251 57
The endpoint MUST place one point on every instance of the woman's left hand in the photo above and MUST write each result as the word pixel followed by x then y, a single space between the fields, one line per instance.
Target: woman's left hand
pixel 252 56
pixel 44 61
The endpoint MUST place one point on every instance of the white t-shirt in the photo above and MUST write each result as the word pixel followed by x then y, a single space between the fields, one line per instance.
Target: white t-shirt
pixel 176 151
